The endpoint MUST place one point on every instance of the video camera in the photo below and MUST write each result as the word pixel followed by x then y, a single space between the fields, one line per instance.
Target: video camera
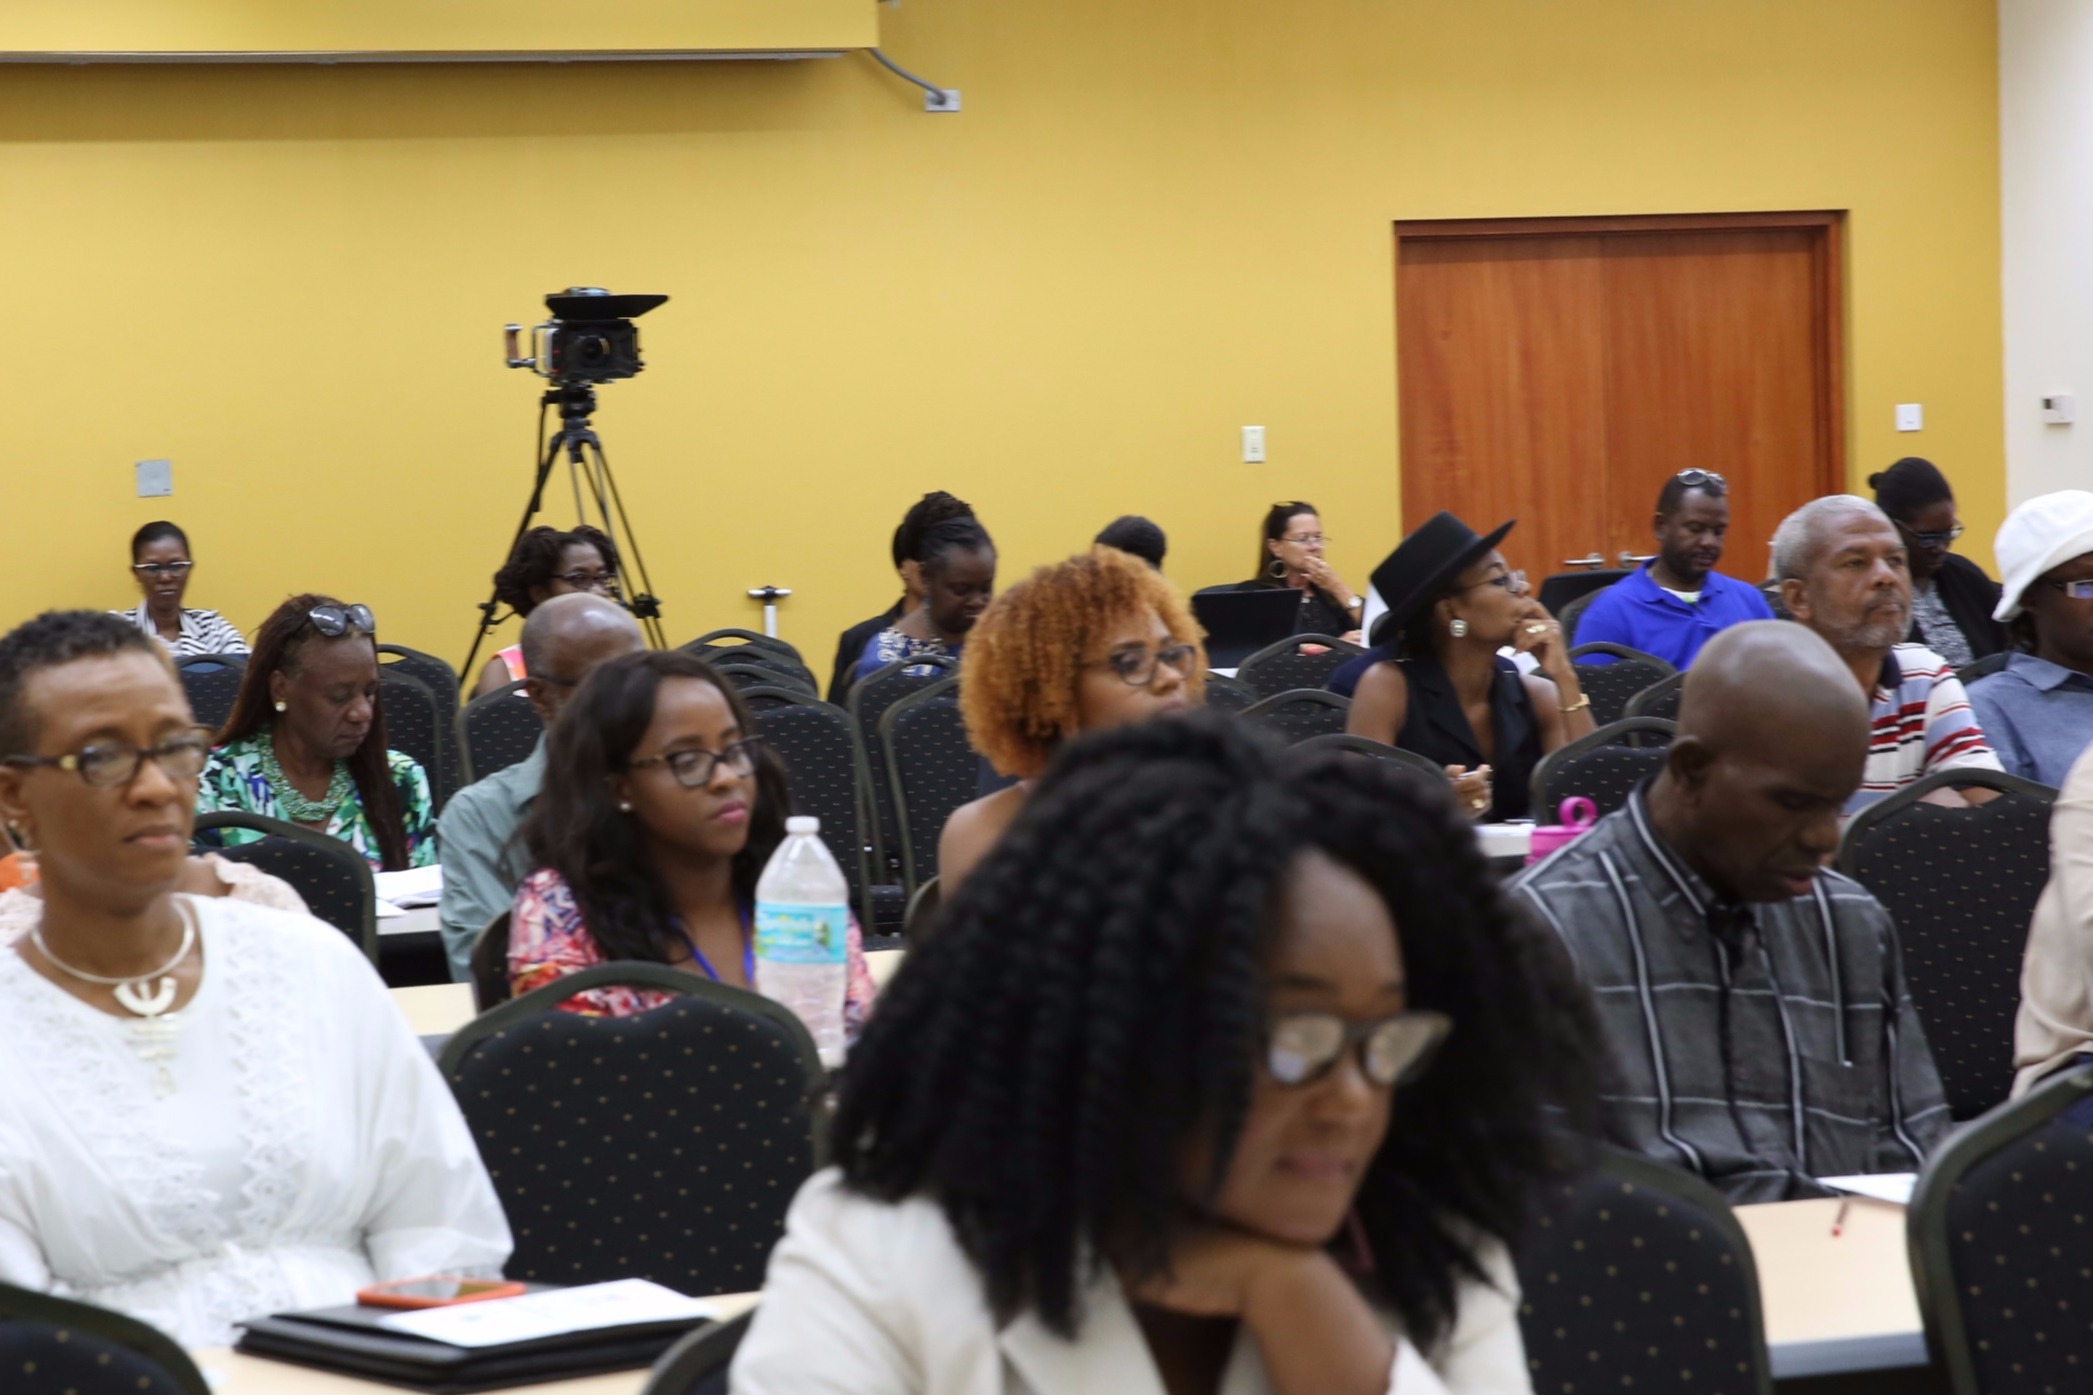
pixel 591 337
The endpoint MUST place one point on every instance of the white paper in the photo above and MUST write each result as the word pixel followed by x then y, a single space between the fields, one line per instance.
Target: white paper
pixel 1894 1187
pixel 387 910
pixel 493 1321
pixel 417 886
pixel 1505 839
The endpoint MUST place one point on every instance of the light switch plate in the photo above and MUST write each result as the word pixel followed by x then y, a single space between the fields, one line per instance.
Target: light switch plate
pixel 1911 417
pixel 155 478
pixel 2060 409
pixel 1253 445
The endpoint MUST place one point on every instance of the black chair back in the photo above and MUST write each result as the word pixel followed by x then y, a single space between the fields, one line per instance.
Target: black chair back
pixel 330 875
pixel 921 921
pixel 1604 766
pixel 1225 694
pixel 414 726
pixel 1982 668
pixel 731 638
pixel 490 964
pixel 745 675
pixel 1641 1272
pixel 497 730
pixel 1995 1231
pixel 1559 590
pixel 59 1346
pixel 1282 667
pixel 869 700
pixel 826 772
pixel 663 1146
pixel 697 1365
pixel 746 648
pixel 1660 699
pixel 1572 614
pixel 439 677
pixel 933 770
pixel 1302 713
pixel 212 684
pixel 1378 750
pixel 1961 885
pixel 1610 686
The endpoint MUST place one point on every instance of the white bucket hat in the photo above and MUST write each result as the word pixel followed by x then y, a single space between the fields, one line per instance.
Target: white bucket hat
pixel 2046 531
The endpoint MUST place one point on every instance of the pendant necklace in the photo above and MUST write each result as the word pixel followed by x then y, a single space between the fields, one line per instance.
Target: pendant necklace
pixel 154 1033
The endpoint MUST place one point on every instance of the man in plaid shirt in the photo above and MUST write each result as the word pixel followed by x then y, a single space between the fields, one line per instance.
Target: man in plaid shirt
pixel 1754 1000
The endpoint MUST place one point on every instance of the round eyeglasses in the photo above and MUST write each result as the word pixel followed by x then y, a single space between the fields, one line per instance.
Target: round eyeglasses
pixel 1301 1047
pixel 1137 667
pixel 334 621
pixel 109 765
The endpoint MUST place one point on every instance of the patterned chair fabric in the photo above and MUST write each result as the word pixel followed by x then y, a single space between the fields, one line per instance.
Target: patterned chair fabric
pixel 414 725
pixel 1611 685
pixel 1638 1277
pixel 1997 1231
pixel 824 768
pixel 1604 767
pixel 1282 667
pixel 431 672
pixel 1303 713
pixel 664 1146
pixel 730 638
pixel 1962 885
pixel 330 875
pixel 1377 750
pixel 1572 614
pixel 1660 699
pixel 869 700
pixel 58 1346
pixel 934 771
pixel 697 1365
pixel 212 687
pixel 1227 694
pixel 497 730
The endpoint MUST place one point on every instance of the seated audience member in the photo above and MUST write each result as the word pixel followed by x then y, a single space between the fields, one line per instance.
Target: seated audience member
pixel 659 811
pixel 1290 553
pixel 209 1110
pixel 1097 641
pixel 1435 683
pixel 1130 1123
pixel 1755 1000
pixel 306 740
pixel 933 508
pixel 1951 599
pixel 2037 712
pixel 1842 571
pixel 2055 1025
pixel 484 859
pixel 547 562
pixel 161 565
pixel 1678 601
pixel 959 579
pixel 1139 536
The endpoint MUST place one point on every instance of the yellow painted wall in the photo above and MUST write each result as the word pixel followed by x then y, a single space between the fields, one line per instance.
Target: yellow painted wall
pixel 1154 221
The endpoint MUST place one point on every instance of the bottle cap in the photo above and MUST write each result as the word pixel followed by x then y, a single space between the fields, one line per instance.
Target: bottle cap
pixel 803 823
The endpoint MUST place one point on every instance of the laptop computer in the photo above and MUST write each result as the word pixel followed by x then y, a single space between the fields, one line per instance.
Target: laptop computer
pixel 1239 623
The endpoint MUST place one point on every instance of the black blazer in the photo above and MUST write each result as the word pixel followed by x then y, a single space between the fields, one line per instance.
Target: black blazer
pixel 1970 596
pixel 851 647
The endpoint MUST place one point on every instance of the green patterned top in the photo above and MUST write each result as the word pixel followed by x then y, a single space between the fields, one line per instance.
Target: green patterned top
pixel 234 779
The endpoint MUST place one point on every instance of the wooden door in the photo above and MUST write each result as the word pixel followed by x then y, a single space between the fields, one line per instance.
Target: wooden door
pixel 1558 370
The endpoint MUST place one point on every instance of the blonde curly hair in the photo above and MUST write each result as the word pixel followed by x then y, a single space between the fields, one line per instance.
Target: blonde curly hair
pixel 1025 655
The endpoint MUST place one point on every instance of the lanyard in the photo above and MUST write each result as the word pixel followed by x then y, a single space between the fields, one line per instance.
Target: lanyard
pixel 748 954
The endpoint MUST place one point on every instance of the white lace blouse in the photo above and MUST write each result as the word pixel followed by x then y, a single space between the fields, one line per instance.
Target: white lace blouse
pixel 308 1146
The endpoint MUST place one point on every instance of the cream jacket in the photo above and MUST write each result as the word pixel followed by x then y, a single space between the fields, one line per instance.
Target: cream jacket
pixel 867 1298
pixel 2056 977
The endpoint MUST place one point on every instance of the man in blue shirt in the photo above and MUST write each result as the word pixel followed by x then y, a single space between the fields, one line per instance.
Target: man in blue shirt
pixel 1677 602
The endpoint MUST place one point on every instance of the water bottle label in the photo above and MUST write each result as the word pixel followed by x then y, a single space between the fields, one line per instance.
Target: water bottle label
pixel 802 934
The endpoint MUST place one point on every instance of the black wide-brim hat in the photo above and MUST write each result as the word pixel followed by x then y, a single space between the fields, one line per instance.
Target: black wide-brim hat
pixel 1410 578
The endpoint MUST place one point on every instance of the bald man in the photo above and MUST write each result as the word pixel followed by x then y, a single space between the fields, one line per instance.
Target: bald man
pixel 1754 999
pixel 563 639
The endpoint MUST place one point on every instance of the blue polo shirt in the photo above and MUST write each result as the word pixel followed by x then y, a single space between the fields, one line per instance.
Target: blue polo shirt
pixel 2037 715
pixel 1639 613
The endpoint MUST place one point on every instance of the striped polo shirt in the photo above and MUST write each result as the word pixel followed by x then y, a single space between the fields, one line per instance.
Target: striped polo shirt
pixel 1921 722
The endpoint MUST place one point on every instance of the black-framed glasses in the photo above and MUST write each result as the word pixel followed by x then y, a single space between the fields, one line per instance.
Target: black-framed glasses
pixel 693 769
pixel 334 621
pixel 2077 590
pixel 162 568
pixel 1137 667
pixel 1931 539
pixel 1301 1047
pixel 1693 479
pixel 109 765
pixel 606 582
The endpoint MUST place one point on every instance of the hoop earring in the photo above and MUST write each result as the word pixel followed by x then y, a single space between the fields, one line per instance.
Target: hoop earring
pixel 1459 629
pixel 1277 570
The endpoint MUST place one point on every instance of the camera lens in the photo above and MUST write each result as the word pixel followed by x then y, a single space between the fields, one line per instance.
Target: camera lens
pixel 591 349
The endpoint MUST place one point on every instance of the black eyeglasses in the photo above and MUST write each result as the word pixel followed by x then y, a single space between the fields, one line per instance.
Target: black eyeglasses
pixel 2077 590
pixel 334 621
pixel 1931 539
pixel 109 765
pixel 1137 667
pixel 1694 478
pixel 590 581
pixel 162 568
pixel 693 769
pixel 1301 1047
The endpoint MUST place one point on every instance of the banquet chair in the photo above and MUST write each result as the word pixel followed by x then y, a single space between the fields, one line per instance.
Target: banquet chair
pixel 933 769
pixel 1282 667
pixel 59 1346
pixel 332 877
pixel 497 730
pixel 1302 713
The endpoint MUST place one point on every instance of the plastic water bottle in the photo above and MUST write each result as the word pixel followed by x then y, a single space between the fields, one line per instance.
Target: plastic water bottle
pixel 803 934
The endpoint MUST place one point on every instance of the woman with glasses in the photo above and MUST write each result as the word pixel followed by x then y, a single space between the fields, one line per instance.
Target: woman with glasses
pixel 306 740
pixel 1435 682
pixel 1129 1122
pixel 1290 553
pixel 547 562
pixel 1952 600
pixel 1097 641
pixel 660 809
pixel 2037 711
pixel 160 563
pixel 208 1109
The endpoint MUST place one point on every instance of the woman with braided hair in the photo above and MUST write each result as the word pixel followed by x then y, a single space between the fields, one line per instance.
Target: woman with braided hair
pixel 1125 1123
pixel 547 562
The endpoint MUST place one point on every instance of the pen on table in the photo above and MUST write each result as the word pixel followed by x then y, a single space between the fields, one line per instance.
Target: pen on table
pixel 1839 1221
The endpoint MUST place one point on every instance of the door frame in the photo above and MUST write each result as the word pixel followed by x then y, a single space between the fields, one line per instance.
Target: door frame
pixel 1829 269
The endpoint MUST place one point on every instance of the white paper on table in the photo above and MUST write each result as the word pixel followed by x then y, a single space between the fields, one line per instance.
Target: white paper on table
pixel 387 910
pixel 417 886
pixel 1893 1187
pixel 1505 839
pixel 494 1321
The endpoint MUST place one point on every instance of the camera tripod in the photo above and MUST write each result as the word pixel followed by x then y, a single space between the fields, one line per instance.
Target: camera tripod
pixel 588 470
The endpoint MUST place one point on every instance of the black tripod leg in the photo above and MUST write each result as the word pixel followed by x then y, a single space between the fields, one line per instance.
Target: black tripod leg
pixel 645 601
pixel 546 456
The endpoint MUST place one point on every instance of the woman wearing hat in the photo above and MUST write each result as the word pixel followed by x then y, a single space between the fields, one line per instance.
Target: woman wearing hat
pixel 2038 710
pixel 1435 683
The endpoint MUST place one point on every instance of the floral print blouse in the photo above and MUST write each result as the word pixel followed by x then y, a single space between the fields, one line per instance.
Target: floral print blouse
pixel 548 940
pixel 233 779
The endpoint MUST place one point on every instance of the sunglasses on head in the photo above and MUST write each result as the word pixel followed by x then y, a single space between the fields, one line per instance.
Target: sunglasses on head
pixel 1694 478
pixel 334 621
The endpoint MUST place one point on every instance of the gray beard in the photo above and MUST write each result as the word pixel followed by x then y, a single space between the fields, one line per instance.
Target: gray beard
pixel 1856 639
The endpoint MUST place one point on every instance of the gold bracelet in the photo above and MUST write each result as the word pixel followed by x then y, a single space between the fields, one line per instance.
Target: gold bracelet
pixel 1577 706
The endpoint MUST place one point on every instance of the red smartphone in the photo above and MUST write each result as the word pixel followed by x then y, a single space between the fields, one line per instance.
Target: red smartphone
pixel 437 1292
